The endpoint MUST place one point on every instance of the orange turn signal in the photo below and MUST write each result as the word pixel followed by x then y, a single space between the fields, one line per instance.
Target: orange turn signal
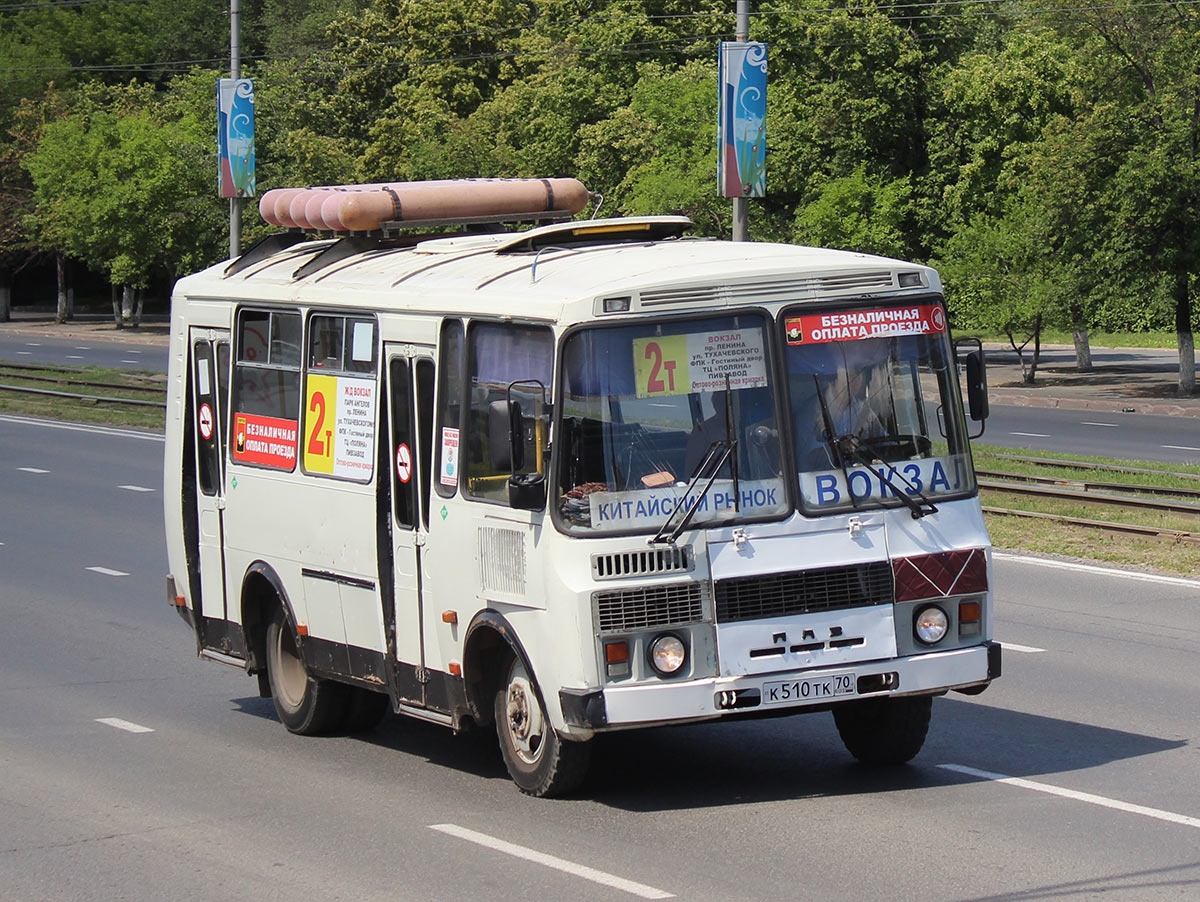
pixel 616 652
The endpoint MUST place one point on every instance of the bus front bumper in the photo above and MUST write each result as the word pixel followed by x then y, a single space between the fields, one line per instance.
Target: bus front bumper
pixel 649 704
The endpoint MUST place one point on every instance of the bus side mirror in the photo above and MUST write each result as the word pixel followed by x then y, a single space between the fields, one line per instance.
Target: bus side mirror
pixel 527 491
pixel 976 372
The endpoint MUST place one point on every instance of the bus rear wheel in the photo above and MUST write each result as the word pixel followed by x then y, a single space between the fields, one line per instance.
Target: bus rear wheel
pixel 305 705
pixel 884 730
pixel 538 760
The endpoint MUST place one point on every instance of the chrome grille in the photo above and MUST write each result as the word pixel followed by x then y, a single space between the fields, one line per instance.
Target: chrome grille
pixel 803 592
pixel 648 606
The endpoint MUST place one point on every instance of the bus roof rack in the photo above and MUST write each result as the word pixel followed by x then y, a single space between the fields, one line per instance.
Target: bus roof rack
pixel 499 219
pixel 264 249
pixel 597 231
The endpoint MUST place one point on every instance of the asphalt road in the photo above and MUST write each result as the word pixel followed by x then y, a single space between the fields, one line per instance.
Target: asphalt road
pixel 1122 436
pixel 131 769
pixel 84 350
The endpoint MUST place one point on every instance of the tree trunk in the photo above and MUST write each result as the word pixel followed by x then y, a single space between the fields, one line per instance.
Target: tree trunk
pixel 1183 328
pixel 116 304
pixel 5 295
pixel 1083 350
pixel 137 308
pixel 1028 370
pixel 1079 330
pixel 60 268
pixel 127 298
pixel 1037 348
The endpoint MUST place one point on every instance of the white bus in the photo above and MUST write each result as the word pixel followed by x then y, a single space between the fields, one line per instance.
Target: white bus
pixel 585 476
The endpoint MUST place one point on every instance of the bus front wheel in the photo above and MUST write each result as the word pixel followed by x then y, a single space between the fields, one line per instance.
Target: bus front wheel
pixel 306 705
pixel 538 760
pixel 884 730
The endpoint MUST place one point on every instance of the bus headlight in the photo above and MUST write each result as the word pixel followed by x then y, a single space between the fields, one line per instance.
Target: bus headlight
pixel 930 625
pixel 667 654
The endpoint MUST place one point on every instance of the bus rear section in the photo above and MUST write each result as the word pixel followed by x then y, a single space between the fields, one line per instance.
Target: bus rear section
pixel 586 477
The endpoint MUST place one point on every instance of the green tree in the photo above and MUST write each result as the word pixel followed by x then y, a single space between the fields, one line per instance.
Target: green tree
pixel 1000 278
pixel 858 212
pixel 1131 147
pixel 114 183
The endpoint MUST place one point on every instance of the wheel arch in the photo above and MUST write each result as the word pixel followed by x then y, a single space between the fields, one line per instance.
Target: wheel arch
pixel 489 639
pixel 262 593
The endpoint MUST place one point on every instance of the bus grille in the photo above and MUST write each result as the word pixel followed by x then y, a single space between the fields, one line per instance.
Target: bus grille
pixel 803 592
pixel 671 559
pixel 648 606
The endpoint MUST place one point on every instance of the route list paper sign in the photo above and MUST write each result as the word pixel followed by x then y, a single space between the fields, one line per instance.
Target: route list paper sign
pixel 699 362
pixel 339 433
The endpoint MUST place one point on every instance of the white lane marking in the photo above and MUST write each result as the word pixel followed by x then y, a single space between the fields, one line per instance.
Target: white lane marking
pixel 1032 434
pixel 1180 447
pixel 34 470
pixel 135 488
pixel 131 361
pixel 74 357
pixel 26 353
pixel 104 571
pixel 1102 801
pixel 1105 425
pixel 1023 649
pixel 77 427
pixel 126 725
pixel 559 864
pixel 1099 571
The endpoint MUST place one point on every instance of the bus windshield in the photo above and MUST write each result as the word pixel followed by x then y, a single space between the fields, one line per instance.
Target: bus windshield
pixel 875 411
pixel 641 408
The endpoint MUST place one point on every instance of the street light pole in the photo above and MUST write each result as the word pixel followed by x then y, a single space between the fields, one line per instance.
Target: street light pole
pixel 741 227
pixel 235 71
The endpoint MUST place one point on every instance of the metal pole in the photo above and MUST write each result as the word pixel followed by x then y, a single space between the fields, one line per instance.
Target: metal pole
pixel 741 227
pixel 235 71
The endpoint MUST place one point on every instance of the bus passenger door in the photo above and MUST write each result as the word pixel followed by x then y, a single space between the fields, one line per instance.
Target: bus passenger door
pixel 410 402
pixel 209 413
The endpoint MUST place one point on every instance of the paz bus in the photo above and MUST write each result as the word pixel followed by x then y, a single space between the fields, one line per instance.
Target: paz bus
pixel 446 451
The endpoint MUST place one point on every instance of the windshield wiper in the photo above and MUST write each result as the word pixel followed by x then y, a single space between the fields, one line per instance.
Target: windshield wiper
pixel 848 446
pixel 831 442
pixel 714 459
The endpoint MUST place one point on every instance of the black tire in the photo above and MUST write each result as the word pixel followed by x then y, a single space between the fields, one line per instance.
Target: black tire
pixel 306 705
pixel 884 730
pixel 365 708
pixel 540 762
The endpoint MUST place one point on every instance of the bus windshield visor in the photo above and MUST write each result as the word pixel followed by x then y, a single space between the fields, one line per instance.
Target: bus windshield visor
pixel 875 408
pixel 644 406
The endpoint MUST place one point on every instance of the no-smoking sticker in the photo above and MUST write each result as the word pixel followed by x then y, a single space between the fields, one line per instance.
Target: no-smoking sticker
pixel 206 422
pixel 403 463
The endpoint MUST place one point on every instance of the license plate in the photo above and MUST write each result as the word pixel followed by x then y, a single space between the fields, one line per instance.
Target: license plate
pixel 810 689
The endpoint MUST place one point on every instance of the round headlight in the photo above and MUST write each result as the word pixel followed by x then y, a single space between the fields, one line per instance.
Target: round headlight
pixel 930 625
pixel 667 654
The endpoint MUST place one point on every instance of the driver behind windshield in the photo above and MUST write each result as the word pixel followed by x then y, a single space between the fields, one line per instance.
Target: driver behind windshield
pixel 842 390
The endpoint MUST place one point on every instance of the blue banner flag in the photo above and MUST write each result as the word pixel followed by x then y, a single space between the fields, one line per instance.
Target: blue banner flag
pixel 742 119
pixel 235 137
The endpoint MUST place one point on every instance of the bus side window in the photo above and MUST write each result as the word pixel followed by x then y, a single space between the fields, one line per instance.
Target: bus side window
pixel 208 450
pixel 506 362
pixel 450 389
